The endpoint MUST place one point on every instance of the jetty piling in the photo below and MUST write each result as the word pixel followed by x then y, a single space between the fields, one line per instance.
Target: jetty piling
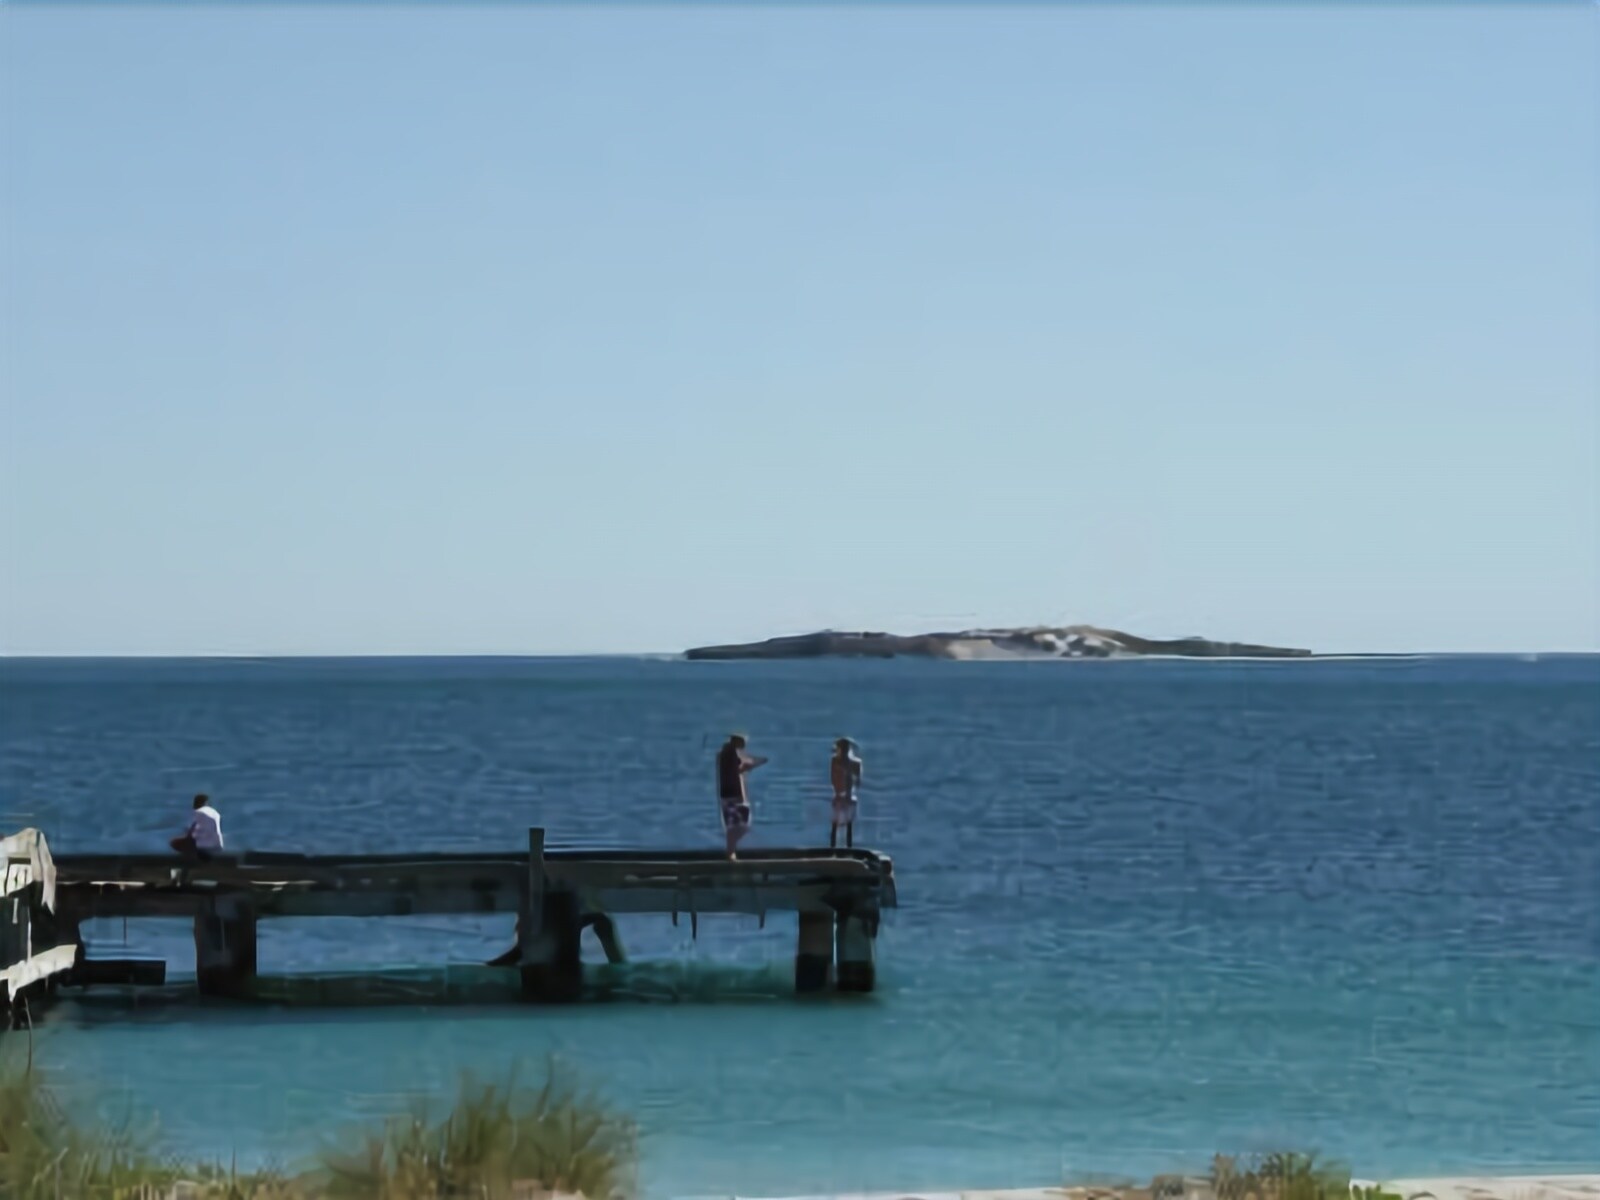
pixel 555 893
pixel 14 930
pixel 856 969
pixel 553 972
pixel 813 956
pixel 225 946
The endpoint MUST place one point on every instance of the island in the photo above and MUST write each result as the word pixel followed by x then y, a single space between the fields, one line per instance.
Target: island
pixel 1067 641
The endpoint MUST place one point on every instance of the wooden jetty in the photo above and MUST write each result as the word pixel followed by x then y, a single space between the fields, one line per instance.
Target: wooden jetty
pixel 555 893
pixel 31 960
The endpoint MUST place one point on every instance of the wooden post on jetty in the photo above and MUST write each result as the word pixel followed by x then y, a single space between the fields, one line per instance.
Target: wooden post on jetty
pixel 813 954
pixel 856 970
pixel 549 932
pixel 14 929
pixel 225 946
pixel 15 947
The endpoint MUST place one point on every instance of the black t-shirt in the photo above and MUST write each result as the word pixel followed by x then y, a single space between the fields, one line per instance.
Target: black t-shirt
pixel 729 760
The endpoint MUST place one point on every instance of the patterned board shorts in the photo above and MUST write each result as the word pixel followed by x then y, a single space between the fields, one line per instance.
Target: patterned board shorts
pixel 735 815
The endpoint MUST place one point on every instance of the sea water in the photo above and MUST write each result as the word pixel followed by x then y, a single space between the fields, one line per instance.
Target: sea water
pixel 1149 910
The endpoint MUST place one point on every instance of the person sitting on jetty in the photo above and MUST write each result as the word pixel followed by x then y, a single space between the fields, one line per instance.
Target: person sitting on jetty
pixel 203 837
pixel 733 764
pixel 845 769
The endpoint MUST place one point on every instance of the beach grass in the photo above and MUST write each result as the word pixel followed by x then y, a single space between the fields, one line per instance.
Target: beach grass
pixel 45 1154
pixel 1287 1175
pixel 495 1142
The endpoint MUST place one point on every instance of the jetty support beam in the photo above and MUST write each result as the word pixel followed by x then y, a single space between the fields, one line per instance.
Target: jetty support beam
pixel 16 920
pixel 225 946
pixel 16 948
pixel 813 955
pixel 857 971
pixel 549 933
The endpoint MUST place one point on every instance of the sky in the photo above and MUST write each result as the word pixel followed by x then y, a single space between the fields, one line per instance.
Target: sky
pixel 558 330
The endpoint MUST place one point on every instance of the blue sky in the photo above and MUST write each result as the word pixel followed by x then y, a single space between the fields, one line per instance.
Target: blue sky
pixel 548 330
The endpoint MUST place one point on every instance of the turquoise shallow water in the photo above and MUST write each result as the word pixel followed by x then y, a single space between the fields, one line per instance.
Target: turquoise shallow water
pixel 1149 909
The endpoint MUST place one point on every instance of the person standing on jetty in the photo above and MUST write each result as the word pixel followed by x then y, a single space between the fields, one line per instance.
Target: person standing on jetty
pixel 203 836
pixel 733 764
pixel 845 770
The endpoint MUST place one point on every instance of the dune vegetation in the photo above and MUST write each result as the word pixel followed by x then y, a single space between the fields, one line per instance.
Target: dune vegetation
pixel 496 1141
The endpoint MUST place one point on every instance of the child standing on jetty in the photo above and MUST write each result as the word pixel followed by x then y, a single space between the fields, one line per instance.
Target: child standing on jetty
pixel 845 769
pixel 733 764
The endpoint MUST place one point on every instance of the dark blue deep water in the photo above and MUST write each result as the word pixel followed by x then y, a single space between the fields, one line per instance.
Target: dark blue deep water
pixel 1149 909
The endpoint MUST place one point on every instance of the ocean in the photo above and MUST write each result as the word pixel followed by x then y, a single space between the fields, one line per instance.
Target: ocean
pixel 1150 910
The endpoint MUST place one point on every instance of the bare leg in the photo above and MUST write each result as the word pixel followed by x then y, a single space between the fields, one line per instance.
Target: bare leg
pixel 736 831
pixel 833 836
pixel 850 836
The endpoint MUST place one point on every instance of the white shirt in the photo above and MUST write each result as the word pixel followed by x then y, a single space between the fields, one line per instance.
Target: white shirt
pixel 205 827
